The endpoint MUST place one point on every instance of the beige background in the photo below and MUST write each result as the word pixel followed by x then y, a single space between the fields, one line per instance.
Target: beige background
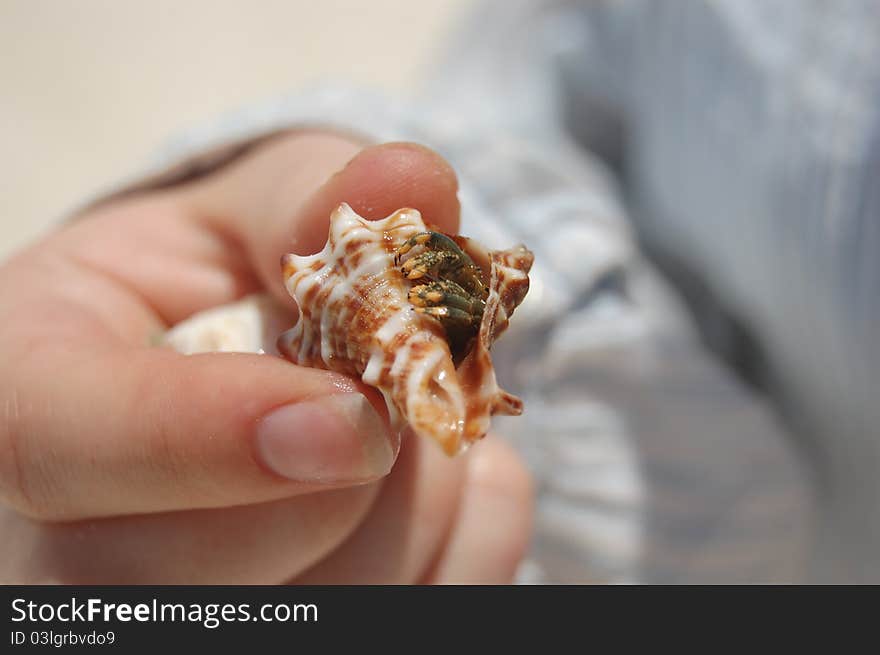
pixel 91 87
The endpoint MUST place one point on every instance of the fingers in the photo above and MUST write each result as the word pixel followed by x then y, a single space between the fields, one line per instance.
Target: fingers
pixel 461 520
pixel 255 544
pixel 464 520
pixel 491 531
pixel 279 200
pixel 189 248
pixel 97 432
pixel 94 426
pixel 151 249
pixel 407 525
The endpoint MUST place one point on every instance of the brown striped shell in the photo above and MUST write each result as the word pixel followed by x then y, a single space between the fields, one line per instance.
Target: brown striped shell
pixel 355 318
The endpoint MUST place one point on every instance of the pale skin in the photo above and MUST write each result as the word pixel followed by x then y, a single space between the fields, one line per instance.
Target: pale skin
pixel 121 462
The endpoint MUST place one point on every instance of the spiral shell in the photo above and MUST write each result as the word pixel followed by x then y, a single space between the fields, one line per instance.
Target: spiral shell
pixel 355 318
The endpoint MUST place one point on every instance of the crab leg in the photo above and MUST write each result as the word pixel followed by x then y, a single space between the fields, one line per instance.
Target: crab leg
pixel 441 258
pixel 451 315
pixel 446 293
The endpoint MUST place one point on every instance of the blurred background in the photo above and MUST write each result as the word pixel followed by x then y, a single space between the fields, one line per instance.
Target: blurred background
pixel 92 88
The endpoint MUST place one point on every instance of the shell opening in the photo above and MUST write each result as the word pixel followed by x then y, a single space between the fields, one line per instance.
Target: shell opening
pixel 447 284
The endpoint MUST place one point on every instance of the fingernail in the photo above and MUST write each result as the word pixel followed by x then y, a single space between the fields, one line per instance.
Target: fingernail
pixel 338 438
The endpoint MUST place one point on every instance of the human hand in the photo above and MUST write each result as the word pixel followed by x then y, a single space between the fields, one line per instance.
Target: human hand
pixel 125 463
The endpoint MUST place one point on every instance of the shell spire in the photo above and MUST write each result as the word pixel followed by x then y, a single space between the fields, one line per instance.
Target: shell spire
pixel 359 315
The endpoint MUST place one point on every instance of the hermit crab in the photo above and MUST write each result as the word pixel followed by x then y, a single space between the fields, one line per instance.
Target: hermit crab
pixel 408 309
pixel 413 312
pixel 450 286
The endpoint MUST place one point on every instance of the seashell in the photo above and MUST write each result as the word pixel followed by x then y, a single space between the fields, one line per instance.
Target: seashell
pixel 249 325
pixel 359 314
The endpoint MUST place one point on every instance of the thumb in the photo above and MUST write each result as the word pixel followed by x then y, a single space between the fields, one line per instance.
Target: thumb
pixel 279 200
